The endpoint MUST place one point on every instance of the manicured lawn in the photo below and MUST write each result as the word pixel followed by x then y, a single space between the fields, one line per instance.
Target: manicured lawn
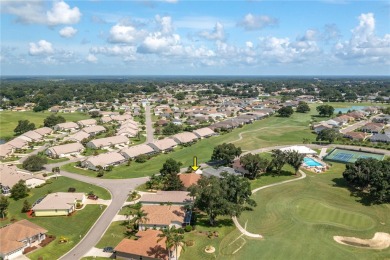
pixel 114 234
pixel 299 220
pixel 9 120
pixel 71 227
pixel 63 159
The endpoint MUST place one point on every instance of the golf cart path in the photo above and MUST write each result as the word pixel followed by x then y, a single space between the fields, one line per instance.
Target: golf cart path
pixel 238 225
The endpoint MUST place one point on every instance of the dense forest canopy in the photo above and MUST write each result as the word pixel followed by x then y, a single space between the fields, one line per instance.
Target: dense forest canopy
pixel 46 92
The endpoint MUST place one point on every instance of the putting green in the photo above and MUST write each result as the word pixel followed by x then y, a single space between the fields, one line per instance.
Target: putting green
pixel 317 212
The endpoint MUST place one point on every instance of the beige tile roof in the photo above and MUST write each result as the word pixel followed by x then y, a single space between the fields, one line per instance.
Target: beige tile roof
pixel 87 122
pixel 146 245
pixel 164 144
pixel 67 125
pixel 59 201
pixel 203 131
pixel 10 175
pixel 105 159
pixel 78 136
pixel 121 117
pixel 136 150
pixel 17 143
pixel 94 129
pixel 11 235
pixel 164 214
pixel 167 196
pixel 113 140
pixel 66 148
pixel 44 130
pixel 185 137
pixel 33 135
pixel 5 150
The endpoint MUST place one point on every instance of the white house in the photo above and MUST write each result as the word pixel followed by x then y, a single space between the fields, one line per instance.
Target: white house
pixel 104 143
pixel 65 150
pixel 104 160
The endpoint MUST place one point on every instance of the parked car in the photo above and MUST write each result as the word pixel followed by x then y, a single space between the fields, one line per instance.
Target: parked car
pixel 93 197
pixel 108 249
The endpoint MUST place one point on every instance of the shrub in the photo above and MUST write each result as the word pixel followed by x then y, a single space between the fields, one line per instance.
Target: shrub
pixel 190 243
pixel 188 228
pixel 71 189
pixel 44 174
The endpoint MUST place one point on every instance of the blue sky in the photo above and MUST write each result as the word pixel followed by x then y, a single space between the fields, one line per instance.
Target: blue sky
pixel 182 37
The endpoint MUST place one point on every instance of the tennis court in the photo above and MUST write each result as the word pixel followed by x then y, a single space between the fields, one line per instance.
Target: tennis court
pixel 349 156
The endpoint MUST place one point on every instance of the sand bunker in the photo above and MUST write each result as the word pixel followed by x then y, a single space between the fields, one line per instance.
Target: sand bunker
pixel 379 241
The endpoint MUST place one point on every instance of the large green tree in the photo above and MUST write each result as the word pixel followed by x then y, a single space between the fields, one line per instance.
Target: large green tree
pixel 170 166
pixel 325 110
pixel 4 203
pixel 52 120
pixel 229 195
pixel 285 111
pixel 370 176
pixel 328 134
pixel 23 126
pixel 225 153
pixel 295 159
pixel 303 107
pixel 34 163
pixel 254 164
pixel 279 159
pixel 19 190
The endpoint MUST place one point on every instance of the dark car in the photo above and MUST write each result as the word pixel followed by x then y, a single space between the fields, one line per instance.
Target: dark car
pixel 93 197
pixel 108 249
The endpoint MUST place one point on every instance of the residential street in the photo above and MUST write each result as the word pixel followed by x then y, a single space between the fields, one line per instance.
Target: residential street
pixel 353 126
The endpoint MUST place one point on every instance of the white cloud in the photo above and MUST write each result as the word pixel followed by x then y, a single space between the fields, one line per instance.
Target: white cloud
pixel 165 24
pixel 364 46
pixel 116 50
pixel 91 58
pixel 171 1
pixel 217 34
pixel 68 32
pixel 159 43
pixel 257 22
pixel 40 48
pixel 61 13
pixel 122 33
pixel 33 12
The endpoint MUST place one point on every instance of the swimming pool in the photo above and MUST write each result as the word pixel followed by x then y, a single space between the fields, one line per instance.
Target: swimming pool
pixel 310 162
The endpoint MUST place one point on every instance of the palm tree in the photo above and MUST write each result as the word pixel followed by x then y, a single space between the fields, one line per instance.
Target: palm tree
pixel 167 233
pixel 295 159
pixel 140 217
pixel 177 240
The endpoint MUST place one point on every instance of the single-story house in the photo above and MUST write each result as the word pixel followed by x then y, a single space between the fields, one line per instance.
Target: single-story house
pixel 67 126
pixel 106 119
pixel 382 138
pixel 104 160
pixel 127 131
pixel 58 204
pixel 385 119
pixel 374 128
pixel 357 115
pixel 203 132
pixel 16 237
pixel 237 166
pixel 6 150
pixel 77 137
pixel 87 122
pixel 148 246
pixel 94 130
pixel 121 118
pixel 10 175
pixel 359 136
pixel 18 143
pixel 163 145
pixel 189 179
pixel 174 197
pixel 65 150
pixel 44 131
pixel 185 138
pixel 133 151
pixel 104 143
pixel 208 172
pixel 163 216
pixel 322 126
pixel 31 136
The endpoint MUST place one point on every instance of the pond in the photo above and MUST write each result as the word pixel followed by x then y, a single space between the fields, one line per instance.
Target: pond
pixel 345 109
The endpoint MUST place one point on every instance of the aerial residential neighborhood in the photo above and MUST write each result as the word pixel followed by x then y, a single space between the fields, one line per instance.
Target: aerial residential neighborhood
pixel 173 129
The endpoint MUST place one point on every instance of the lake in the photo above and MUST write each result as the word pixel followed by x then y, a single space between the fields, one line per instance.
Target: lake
pixel 345 109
